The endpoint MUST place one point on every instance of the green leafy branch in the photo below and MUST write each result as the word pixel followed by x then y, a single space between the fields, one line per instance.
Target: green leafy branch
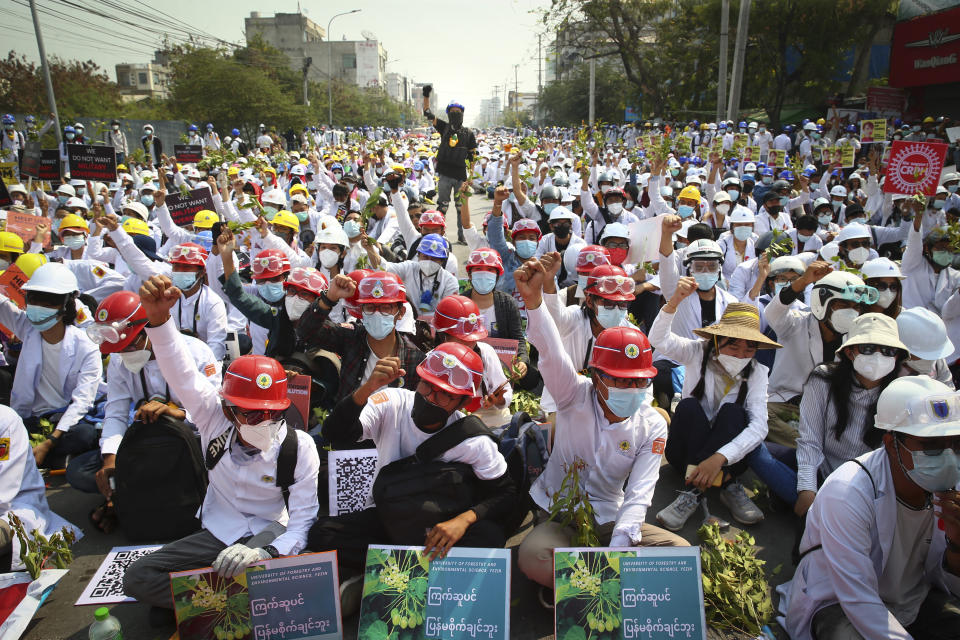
pixel 46 428
pixel 367 210
pixel 36 549
pixel 780 245
pixel 571 507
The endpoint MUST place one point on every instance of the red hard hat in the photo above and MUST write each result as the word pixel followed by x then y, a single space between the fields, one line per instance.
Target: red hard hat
pixel 485 257
pixel 381 286
pixel 306 279
pixel 615 191
pixel 611 283
pixel 269 263
pixel 188 253
pixel 590 256
pixel 460 317
pixel 453 367
pixel 486 221
pixel 351 303
pixel 623 352
pixel 432 217
pixel 256 382
pixel 525 224
pixel 118 321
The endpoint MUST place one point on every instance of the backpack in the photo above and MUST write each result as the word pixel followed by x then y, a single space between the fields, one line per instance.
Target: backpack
pixel 413 494
pixel 524 447
pixel 160 480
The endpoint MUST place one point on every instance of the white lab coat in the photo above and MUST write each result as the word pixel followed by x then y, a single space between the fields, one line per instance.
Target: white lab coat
pixel 799 333
pixel 845 518
pixel 242 496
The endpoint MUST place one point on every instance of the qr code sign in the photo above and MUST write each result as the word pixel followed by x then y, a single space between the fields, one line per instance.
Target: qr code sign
pixel 106 586
pixel 351 479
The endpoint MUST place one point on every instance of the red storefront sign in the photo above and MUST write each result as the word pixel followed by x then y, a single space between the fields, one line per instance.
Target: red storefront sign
pixel 926 50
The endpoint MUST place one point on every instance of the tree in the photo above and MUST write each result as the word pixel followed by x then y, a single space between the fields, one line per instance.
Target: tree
pixel 566 101
pixel 82 88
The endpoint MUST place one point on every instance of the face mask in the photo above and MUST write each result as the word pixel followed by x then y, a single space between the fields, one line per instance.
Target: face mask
pixel 858 256
pixel 134 361
pixel 456 118
pixel 302 215
pixel 915 127
pixel 874 367
pixel 938 204
pixel 582 281
pixel 629 205
pixel 270 291
pixel 604 188
pixel 295 306
pixel 378 325
pixel 774 210
pixel 842 319
pixel 684 211
pixel 63 199
pixel 742 233
pixel 886 298
pixel 952 188
pixel 74 242
pixel 183 280
pixel 784 201
pixel 512 198
pixel 732 364
pixel 328 257
pixel 705 281
pixel 561 230
pixel 483 281
pixel 609 318
pixel 766 180
pixel 526 248
pixel 935 473
pixel 269 212
pixel 70 136
pixel 615 208
pixel 426 414
pixel 734 194
pixel 549 207
pixel 674 172
pixel 41 318
pixel 146 200
pixel 429 267
pixel 836 205
pixel 116 127
pixel 623 403
pixel 778 287
pixel 942 258
pixel 825 220
pixel 4 264
pixel 351 228
pixel 260 435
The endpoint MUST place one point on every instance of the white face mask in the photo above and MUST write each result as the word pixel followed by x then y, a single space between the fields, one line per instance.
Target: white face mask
pixel 134 361
pixel 886 298
pixel 842 319
pixel 874 367
pixel 723 208
pixel 732 364
pixel 859 255
pixel 923 367
pixel 260 435
pixel 328 257
pixel 428 267
pixel 615 208
pixel 295 306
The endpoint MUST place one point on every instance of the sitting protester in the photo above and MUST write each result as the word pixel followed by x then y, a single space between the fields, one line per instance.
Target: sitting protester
pixel 925 335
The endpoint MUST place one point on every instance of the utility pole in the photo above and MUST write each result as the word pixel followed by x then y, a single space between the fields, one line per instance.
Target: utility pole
pixel 516 94
pixel 722 75
pixel 736 79
pixel 330 66
pixel 539 77
pixel 51 98
pixel 593 88
pixel 306 67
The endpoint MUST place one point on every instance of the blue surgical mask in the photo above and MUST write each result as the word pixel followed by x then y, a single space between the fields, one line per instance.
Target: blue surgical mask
pixel 63 199
pixel 766 180
pixel 526 248
pixel 74 242
pixel 623 403
pixel 706 281
pixel 269 212
pixel 609 318
pixel 204 239
pixel 734 194
pixel 934 473
pixel 512 198
pixel 942 258
pixel 742 233
pixel 549 207
pixel 56 226
pixel 582 282
pixel 629 205
pixel 41 318
pixel 270 291
pixel 937 204
pixel 351 228
pixel 302 215
pixel 803 237
pixel 378 325
pixel 483 281
pixel 784 201
pixel 778 287
pixel 183 280
pixel 146 199
pixel 825 220
pixel 952 188
pixel 684 211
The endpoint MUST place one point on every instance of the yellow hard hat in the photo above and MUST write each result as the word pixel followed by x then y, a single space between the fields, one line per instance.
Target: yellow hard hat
pixel 821 121
pixel 299 188
pixel 136 227
pixel 10 242
pixel 690 192
pixel 284 218
pixel 205 219
pixel 270 170
pixel 233 170
pixel 73 221
pixel 121 167
pixel 304 161
pixel 29 262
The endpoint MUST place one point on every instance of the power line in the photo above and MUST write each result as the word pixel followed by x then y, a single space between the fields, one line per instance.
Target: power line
pixel 64 35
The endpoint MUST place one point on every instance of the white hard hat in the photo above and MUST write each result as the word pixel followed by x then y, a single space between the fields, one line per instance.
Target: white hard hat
pixel 614 230
pixel 831 287
pixel 839 190
pixel 148 187
pixel 810 126
pixel 750 167
pixel 299 197
pixel 942 190
pixel 66 190
pixel 852 231
pixel 830 250
pixel 752 125
pixel 950 177
pixel 819 202
pixel 17 188
pixel 666 191
pixel 693 179
pixel 298 170
pixel 741 214
pixel 682 233
pixel 721 196
pixel 881 268
pixel 274 196
pixel 924 333
pixel 787 263
pixel 138 209
pixel 330 232
pixel 919 406
pixel 703 249
pixel 52 277
pixel 562 213
pixel 76 202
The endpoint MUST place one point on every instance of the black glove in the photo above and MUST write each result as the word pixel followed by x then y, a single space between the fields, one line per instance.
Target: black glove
pixel 426 90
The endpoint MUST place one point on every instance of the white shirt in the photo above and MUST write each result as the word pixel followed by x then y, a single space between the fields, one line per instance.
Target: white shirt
pixel 49 397
pixel 782 142
pixel 493 377
pixel 902 585
pixel 242 496
pixel 799 333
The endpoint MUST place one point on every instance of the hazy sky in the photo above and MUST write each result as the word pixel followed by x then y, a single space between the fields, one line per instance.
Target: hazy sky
pixel 464 47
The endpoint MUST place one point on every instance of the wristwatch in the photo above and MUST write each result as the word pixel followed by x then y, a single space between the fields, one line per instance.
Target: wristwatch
pixel 272 550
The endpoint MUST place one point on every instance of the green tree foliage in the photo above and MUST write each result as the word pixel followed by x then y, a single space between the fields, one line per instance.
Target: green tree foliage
pixel 82 88
pixel 567 102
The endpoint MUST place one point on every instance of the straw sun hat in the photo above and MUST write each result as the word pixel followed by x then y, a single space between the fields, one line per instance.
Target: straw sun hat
pixel 739 320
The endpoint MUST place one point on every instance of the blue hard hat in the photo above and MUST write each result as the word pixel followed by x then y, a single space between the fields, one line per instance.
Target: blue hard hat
pixel 9 119
pixel 418 166
pixel 897 122
pixel 210 126
pixel 433 245
pixel 235 132
pixel 722 125
pixel 30 119
pixel 788 128
pixel 69 129
pixel 766 171
pixel 192 127
pixel 805 121
pixel 684 159
pixel 787 175
pixel 761 165
pixel 748 176
pixel 851 128
pixel 809 172
pixel 335 166
pixel 455 105
pixel 696 123
pixel 742 124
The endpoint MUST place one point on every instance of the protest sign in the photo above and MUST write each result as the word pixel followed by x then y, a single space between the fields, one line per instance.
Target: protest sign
pixel 847 154
pixel 777 158
pixel 25 225
pixel 350 475
pixel 750 154
pixel 183 208
pixel 11 286
pixel 8 171
pixel 106 585
pixel 49 165
pixel 92 162
pixel 188 152
pixel 873 131
pixel 644 592
pixel 30 163
pixel 295 597
pixel 644 240
pixel 953 134
pixel 914 167
pixel 297 414
pixel 465 594
pixel 506 349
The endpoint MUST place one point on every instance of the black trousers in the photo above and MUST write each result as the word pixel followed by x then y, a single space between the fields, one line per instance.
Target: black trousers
pixel 693 438
pixel 350 534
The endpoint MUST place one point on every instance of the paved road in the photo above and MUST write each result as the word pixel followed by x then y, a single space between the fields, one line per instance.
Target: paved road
pixel 59 619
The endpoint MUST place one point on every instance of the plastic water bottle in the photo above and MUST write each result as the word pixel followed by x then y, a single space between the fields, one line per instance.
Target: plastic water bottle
pixel 106 627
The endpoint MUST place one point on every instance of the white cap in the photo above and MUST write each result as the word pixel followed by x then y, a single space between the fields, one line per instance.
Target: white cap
pixel 950 177
pixel 881 268
pixel 853 231
pixel 561 213
pixel 741 214
pixel 614 230
pixel 839 190
pixel 721 196
pixel 274 196
pixel 17 188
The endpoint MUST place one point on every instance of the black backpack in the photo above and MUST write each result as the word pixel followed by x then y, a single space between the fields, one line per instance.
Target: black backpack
pixel 415 493
pixel 160 480
pixel 524 447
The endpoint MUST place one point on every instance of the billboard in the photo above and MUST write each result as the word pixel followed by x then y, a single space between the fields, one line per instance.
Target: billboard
pixel 926 50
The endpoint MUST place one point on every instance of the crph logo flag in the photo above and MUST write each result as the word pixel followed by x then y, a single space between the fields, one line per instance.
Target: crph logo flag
pixel 914 167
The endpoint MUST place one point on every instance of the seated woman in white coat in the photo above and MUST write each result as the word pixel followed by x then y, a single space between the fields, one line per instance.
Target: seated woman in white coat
pixel 881 551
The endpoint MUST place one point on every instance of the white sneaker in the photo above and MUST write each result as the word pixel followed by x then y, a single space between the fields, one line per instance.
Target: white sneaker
pixel 679 511
pixel 741 506
pixel 351 592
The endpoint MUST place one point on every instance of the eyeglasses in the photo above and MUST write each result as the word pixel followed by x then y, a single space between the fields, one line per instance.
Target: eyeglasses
pixel 870 349
pixel 188 253
pixel 858 244
pixel 435 395
pixel 611 285
pixel 308 278
pixel 929 445
pixel 884 286
pixel 625 383
pixel 612 304
pixel 382 307
pixel 261 264
pixel 255 416
pixel 444 365
pixel 617 244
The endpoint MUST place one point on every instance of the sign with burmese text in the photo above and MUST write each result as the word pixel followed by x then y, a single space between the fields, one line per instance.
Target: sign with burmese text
pixel 92 162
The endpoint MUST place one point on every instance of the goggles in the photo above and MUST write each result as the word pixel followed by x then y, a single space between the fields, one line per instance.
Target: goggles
pixel 611 285
pixel 458 375
pixel 861 294
pixel 431 218
pixel 464 325
pixel 188 253
pixel 870 349
pixel 112 331
pixel 591 259
pixel 377 288
pixel 481 257
pixel 269 263
pixel 308 279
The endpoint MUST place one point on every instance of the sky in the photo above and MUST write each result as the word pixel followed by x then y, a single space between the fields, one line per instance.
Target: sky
pixel 465 48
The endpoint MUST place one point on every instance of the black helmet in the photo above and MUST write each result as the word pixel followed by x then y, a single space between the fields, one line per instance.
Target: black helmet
pixel 550 192
pixel 780 185
pixel 606 176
